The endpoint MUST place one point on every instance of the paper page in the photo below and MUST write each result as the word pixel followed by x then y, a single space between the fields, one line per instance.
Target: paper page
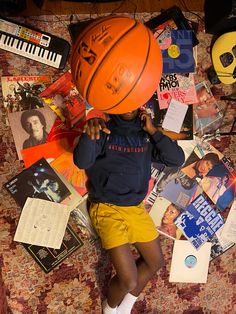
pixel 175 116
pixel 42 223
pixel 229 230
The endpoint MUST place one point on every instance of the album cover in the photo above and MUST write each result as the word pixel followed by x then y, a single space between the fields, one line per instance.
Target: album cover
pixel 22 92
pixel 220 184
pixel 186 131
pixel 219 244
pixel 77 177
pixel 172 18
pixel 176 86
pixel 49 151
pixel 48 258
pixel 64 99
pixel 30 127
pixel 177 50
pixel 199 221
pixel 189 265
pixel 38 181
pixel 163 213
pixel 207 116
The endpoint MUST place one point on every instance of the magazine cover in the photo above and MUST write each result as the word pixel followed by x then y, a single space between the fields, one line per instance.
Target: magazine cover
pixel 76 177
pixel 207 116
pixel 177 50
pixel 22 92
pixel 177 86
pixel 38 181
pixel 64 99
pixel 31 127
pixel 186 131
pixel 199 221
pixel 220 184
pixel 48 258
pixel 163 213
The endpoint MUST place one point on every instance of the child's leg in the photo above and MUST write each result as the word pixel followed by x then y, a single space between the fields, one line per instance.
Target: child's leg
pixel 150 261
pixel 125 279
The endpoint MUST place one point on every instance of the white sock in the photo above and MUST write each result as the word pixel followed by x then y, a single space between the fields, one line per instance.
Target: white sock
pixel 126 305
pixel 107 309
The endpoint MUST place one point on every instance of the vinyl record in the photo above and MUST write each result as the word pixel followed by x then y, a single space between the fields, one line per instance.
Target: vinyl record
pixel 189 265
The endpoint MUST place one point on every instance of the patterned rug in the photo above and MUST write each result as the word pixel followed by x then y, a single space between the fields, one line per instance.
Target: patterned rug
pixel 78 285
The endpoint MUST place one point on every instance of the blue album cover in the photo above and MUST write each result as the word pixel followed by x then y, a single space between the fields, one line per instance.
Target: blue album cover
pixel 177 50
pixel 199 221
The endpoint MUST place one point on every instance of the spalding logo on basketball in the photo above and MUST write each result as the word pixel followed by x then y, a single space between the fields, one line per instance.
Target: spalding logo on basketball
pixel 116 64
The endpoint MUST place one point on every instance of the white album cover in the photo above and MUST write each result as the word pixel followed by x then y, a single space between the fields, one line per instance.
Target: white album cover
pixel 188 264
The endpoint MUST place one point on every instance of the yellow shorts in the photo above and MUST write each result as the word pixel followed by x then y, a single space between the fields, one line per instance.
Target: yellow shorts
pixel 117 225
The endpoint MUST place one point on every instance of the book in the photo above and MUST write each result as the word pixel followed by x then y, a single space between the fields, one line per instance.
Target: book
pixel 177 50
pixel 176 86
pixel 220 184
pixel 163 213
pixel 22 92
pixel 207 116
pixel 64 164
pixel 199 221
pixel 189 265
pixel 30 127
pixel 38 181
pixel 64 99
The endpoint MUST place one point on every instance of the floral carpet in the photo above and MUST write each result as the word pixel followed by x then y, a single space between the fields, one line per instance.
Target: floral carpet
pixel 78 285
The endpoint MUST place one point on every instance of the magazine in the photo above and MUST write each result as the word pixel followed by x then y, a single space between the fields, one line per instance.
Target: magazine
pixel 163 213
pixel 38 181
pixel 177 86
pixel 199 221
pixel 64 99
pixel 22 92
pixel 207 116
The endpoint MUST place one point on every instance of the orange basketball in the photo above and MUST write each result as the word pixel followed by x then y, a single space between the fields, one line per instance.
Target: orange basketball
pixel 116 64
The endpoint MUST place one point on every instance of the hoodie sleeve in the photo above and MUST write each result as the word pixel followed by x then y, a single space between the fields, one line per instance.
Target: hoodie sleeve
pixel 166 151
pixel 87 150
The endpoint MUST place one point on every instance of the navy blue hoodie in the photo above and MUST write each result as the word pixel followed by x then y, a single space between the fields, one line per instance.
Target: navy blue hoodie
pixel 118 165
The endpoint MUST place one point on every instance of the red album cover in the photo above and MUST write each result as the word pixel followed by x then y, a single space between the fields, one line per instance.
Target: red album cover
pixel 64 99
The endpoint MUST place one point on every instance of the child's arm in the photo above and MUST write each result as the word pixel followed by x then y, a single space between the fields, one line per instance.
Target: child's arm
pixel 165 150
pixel 91 143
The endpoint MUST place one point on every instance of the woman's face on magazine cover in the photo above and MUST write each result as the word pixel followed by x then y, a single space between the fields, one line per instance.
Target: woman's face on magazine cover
pixel 203 167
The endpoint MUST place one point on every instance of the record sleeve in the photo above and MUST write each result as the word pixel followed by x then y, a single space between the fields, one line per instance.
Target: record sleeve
pixel 189 265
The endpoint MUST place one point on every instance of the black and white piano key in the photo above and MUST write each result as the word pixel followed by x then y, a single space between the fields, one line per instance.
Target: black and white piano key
pixel 30 50
pixel 152 197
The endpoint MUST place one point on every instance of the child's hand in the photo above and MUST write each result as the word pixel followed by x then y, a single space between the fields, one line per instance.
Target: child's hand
pixel 93 126
pixel 146 121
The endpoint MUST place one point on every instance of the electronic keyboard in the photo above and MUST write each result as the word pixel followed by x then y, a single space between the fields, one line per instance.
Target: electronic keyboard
pixel 33 44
